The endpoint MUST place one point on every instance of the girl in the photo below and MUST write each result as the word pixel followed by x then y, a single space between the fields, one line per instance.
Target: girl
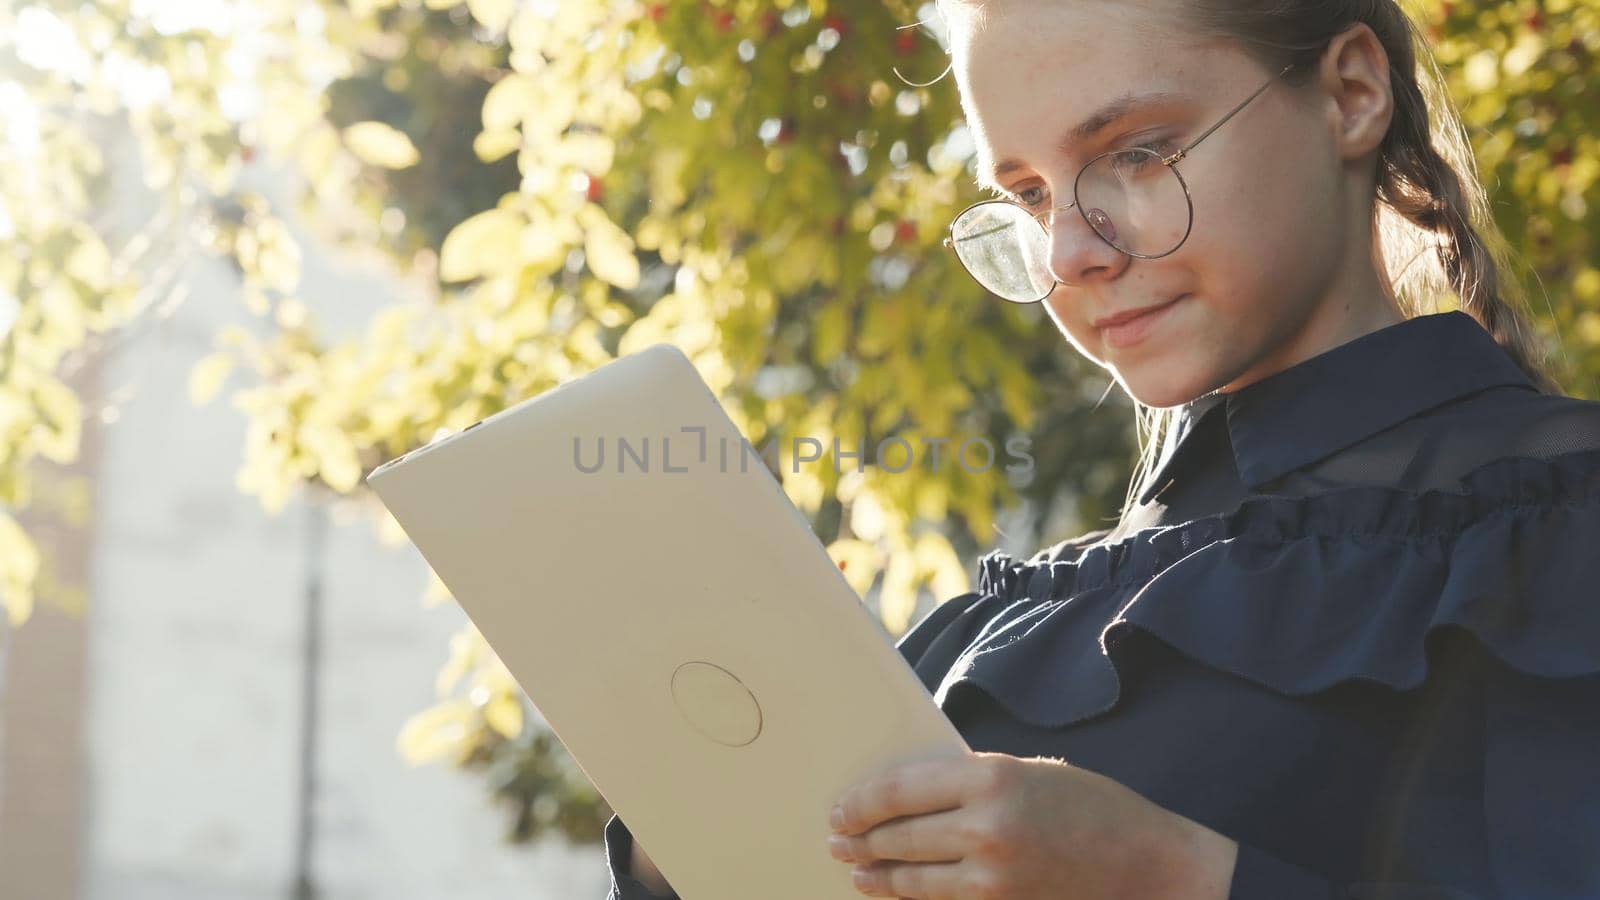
pixel 1345 639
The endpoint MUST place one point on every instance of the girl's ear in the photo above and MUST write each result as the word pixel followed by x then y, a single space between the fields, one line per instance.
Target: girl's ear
pixel 1354 72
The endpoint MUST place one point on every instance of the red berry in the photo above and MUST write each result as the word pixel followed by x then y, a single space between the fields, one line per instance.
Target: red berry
pixel 905 232
pixel 836 23
pixel 1534 21
pixel 594 190
pixel 656 11
pixel 724 21
pixel 841 565
pixel 247 153
pixel 1562 156
pixel 905 41
pixel 770 24
pixel 786 130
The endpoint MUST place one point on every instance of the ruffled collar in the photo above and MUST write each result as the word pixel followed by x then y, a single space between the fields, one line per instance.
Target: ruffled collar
pixel 1260 590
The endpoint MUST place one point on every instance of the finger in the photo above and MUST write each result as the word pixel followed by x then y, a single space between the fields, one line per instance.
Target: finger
pixel 912 880
pixel 936 837
pixel 915 788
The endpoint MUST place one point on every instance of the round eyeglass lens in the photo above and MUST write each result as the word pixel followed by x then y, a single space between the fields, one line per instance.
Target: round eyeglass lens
pixel 1135 202
pixel 1005 249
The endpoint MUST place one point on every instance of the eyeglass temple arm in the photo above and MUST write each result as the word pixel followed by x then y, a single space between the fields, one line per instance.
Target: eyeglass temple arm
pixel 1176 157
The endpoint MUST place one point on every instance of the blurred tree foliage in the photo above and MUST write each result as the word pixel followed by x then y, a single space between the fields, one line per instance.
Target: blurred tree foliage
pixel 761 182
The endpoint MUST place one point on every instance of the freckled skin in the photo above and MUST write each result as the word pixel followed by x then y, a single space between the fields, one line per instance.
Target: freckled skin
pixel 1280 262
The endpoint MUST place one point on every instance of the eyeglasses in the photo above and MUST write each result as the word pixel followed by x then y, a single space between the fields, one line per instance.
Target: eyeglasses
pixel 1134 198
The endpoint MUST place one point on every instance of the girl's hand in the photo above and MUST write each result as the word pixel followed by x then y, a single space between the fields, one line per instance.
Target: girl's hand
pixel 991 825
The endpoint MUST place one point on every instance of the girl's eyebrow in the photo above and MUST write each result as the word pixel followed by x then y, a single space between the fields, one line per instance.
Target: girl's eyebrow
pixel 1101 119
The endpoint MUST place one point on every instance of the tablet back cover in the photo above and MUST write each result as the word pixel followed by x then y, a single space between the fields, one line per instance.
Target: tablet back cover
pixel 674 620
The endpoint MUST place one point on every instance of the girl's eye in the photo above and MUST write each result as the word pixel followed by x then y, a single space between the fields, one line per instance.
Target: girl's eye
pixel 1126 161
pixel 1026 197
pixel 1129 159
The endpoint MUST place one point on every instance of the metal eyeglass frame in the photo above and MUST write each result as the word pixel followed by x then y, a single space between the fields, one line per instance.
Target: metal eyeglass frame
pixel 1168 161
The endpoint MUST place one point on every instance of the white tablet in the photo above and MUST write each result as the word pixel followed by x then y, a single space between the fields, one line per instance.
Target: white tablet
pixel 674 620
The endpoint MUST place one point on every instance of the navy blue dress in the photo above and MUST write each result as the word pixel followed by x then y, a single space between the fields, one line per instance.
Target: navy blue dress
pixel 1354 625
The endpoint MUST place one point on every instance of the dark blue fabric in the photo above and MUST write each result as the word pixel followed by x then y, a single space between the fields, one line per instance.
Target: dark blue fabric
pixel 619 851
pixel 1362 387
pixel 1353 625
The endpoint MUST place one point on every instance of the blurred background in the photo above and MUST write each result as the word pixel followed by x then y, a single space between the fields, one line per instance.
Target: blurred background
pixel 250 251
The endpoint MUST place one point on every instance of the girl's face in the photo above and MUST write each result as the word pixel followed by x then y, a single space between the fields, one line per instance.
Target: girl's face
pixel 1280 240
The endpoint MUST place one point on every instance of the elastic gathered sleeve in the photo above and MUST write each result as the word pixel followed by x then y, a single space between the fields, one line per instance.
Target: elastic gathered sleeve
pixel 619 850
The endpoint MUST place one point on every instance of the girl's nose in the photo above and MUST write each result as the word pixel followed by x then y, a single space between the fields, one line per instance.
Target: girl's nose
pixel 1077 254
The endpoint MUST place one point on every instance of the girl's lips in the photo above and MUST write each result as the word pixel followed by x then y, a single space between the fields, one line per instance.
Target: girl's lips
pixel 1135 330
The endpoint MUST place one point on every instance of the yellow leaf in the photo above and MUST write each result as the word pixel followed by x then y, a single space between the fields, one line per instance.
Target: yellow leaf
pixel 390 534
pixel 933 499
pixel 19 566
pixel 207 376
pixel 493 14
pixel 464 652
pixel 481 245
pixel 609 253
pixel 61 415
pixel 363 8
pixel 437 592
pixel 379 144
pixel 1481 71
pixel 867 516
pixel 491 145
pixel 335 456
pixel 859 560
pixel 509 101
pixel 503 712
pixel 593 153
pixel 527 35
pixel 540 245
pixel 277 256
pixel 339 465
pixel 89 262
pixel 441 731
pixel 938 560
pixel 897 597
